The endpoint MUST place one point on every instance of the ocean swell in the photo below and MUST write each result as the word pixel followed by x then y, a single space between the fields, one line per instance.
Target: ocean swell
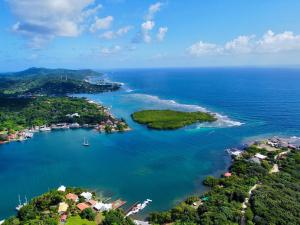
pixel 154 102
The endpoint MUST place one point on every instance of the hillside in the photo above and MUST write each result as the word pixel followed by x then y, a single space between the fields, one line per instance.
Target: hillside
pixel 42 81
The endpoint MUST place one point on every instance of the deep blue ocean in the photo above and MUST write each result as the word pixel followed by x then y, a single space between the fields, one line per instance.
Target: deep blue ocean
pixel 165 166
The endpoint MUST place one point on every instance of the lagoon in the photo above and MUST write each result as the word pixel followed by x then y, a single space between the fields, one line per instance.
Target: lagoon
pixel 165 166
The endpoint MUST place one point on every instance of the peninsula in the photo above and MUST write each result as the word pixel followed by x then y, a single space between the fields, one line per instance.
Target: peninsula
pixel 261 187
pixel 38 99
pixel 170 119
pixel 71 206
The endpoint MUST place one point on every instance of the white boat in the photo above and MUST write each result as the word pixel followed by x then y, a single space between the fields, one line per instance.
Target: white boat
pixel 20 204
pixel 28 134
pixel 85 142
pixel 138 207
pixel 45 128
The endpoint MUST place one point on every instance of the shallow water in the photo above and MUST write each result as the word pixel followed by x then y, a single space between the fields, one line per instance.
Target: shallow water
pixel 165 166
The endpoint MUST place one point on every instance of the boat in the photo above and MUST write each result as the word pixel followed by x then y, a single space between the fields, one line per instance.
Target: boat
pixel 138 207
pixel 20 204
pixel 85 142
pixel 45 128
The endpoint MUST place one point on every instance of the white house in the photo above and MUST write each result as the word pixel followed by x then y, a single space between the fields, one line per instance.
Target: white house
pixel 102 207
pixel 62 188
pixel 87 195
pixel 260 156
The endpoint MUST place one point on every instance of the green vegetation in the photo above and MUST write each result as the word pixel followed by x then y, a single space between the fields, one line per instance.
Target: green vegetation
pixel 19 113
pixel 88 214
pixel 76 220
pixel 41 81
pixel 275 197
pixel 116 217
pixel 170 119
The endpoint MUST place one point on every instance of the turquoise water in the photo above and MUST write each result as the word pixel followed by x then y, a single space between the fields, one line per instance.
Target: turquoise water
pixel 165 166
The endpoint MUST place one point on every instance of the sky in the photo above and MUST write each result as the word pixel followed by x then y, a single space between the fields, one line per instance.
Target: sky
pixel 103 34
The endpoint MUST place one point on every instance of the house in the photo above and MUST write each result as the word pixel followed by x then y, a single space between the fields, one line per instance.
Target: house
pixel 73 115
pixel 82 206
pixel 227 174
pixel 72 197
pixel 92 202
pixel 63 207
pixel 102 207
pixel 87 195
pixel 260 156
pixel 62 188
pixel 63 218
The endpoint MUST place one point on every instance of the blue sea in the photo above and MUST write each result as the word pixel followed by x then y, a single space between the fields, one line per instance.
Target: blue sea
pixel 165 166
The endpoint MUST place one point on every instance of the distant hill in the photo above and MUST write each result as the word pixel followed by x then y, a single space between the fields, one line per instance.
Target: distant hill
pixel 53 73
pixel 43 81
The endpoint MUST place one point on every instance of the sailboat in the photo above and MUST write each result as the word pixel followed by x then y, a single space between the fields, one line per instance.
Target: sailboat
pixel 20 203
pixel 85 142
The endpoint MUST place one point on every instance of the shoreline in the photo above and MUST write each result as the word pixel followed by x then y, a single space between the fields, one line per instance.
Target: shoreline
pixel 109 126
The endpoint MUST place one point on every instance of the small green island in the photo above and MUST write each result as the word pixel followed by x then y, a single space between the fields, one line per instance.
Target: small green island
pixel 170 119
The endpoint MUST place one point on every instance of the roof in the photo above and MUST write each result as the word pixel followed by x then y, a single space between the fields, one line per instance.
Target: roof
pixel 82 206
pixel 102 206
pixel 72 197
pixel 62 188
pixel 63 207
pixel 227 174
pixel 92 202
pixel 118 203
pixel 87 195
pixel 63 217
pixel 260 156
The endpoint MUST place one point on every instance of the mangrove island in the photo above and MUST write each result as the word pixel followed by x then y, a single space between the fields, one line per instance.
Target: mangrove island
pixel 171 119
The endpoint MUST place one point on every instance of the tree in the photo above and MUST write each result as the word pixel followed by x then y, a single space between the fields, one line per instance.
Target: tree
pixel 211 181
pixel 88 214
pixel 116 217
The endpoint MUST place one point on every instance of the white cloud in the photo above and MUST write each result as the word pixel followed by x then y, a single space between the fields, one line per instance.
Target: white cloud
pixel 268 43
pixel 203 48
pixel 285 41
pixel 101 23
pixel 50 18
pixel 115 34
pixel 123 30
pixel 153 9
pixel 241 44
pixel 146 28
pixel 162 31
pixel 110 51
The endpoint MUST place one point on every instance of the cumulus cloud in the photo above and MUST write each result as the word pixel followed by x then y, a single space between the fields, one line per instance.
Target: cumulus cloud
pixel 268 43
pixel 115 34
pixel 146 28
pixel 43 20
pixel 203 48
pixel 162 31
pixel 101 23
pixel 144 35
pixel 153 9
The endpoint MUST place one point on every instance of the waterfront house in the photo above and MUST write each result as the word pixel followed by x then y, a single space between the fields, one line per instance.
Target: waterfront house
pixel 62 188
pixel 102 207
pixel 227 174
pixel 72 197
pixel 87 195
pixel 82 206
pixel 92 202
pixel 63 207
